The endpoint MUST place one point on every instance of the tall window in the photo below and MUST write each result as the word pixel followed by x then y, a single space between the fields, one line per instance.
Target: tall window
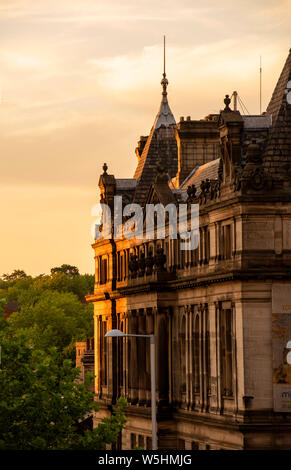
pixel 194 257
pixel 120 265
pixel 206 244
pixel 196 355
pixel 103 270
pixel 226 352
pixel 226 241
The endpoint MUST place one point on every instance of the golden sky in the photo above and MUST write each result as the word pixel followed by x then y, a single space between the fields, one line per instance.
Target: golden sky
pixel 80 82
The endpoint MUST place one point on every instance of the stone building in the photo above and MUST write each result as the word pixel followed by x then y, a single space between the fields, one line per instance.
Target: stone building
pixel 85 358
pixel 211 309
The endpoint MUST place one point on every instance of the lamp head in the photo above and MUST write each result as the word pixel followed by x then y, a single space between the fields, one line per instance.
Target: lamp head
pixel 114 333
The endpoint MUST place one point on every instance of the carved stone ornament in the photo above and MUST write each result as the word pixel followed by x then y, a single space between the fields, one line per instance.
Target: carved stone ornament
pixel 133 265
pixel 160 260
pixel 149 262
pixel 254 178
pixel 141 264
pixel 191 191
pixel 253 175
pixel 210 190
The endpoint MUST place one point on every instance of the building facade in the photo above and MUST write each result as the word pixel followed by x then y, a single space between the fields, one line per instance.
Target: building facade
pixel 212 309
pixel 85 358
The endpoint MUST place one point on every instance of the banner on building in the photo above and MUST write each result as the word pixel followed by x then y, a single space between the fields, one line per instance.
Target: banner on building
pixel 281 336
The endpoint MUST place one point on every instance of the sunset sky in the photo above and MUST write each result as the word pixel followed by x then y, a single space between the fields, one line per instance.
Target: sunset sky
pixel 80 82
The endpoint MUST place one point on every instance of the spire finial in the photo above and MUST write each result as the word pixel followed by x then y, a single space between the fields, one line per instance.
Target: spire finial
pixel 227 102
pixel 165 55
pixel 164 81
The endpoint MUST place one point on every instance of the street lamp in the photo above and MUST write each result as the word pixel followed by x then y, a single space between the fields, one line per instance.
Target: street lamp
pixel 118 333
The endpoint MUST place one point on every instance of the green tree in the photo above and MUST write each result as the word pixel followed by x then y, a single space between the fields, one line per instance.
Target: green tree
pixel 14 276
pixel 18 290
pixel 41 402
pixel 66 269
pixel 51 318
pixel 51 308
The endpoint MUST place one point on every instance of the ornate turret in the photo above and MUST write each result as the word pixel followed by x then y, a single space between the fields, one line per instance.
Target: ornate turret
pixel 161 143
pixel 165 116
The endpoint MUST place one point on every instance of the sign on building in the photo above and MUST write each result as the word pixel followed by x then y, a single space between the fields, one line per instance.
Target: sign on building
pixel 281 335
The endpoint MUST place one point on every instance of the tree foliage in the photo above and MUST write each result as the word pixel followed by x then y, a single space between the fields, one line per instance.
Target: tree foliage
pixel 41 402
pixel 52 318
pixel 66 269
pixel 51 309
pixel 14 276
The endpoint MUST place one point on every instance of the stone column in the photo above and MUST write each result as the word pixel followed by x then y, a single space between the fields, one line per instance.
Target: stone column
pixel 218 357
pixel 191 375
pixel 112 368
pixel 161 335
pixel 205 370
pixel 201 246
pixel 141 358
pixel 219 241
pixel 97 354
pixel 213 357
pixel 132 364
pixel 187 356
pixel 149 330
pixel 233 237
pixel 212 253
pixel 125 358
pixel 201 358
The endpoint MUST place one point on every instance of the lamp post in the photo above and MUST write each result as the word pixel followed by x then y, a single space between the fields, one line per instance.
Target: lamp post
pixel 118 333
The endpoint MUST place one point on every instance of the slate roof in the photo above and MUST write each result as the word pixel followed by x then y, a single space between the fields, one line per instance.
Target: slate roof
pixel 208 170
pixel 125 183
pixel 261 121
pixel 278 95
pixel 277 155
pixel 161 143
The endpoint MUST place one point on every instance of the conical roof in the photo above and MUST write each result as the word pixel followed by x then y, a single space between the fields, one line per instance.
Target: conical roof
pixel 161 143
pixel 277 100
pixel 277 155
pixel 165 116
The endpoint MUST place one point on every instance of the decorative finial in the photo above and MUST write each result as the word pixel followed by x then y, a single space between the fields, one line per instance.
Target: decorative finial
pixel 105 168
pixel 227 102
pixel 164 81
